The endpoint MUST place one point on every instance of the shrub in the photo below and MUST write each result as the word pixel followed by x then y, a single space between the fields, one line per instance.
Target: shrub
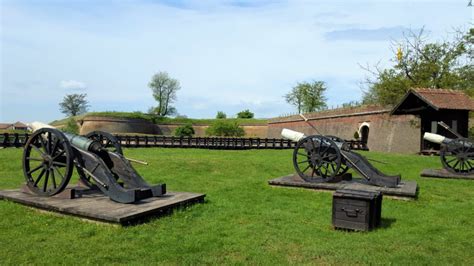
pixel 221 115
pixel 356 135
pixel 71 126
pixel 245 114
pixel 184 131
pixel 226 129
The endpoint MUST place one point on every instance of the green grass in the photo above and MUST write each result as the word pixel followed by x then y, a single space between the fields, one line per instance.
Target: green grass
pixel 161 120
pixel 133 115
pixel 246 221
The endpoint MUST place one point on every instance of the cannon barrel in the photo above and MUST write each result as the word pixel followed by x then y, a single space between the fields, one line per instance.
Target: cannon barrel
pixel 436 138
pixel 439 139
pixel 77 141
pixel 292 135
pixel 297 136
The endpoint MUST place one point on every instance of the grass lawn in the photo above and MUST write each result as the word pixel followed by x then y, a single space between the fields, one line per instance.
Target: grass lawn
pixel 244 220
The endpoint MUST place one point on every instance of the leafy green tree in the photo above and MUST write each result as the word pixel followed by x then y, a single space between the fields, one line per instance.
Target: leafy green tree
pixel 245 114
pixel 356 135
pixel 295 97
pixel 71 126
pixel 225 128
pixel 221 115
pixel 186 130
pixel 420 64
pixel 308 96
pixel 164 90
pixel 74 104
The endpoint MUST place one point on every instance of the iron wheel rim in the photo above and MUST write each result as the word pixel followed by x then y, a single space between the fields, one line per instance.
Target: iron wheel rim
pixel 457 157
pixel 316 157
pixel 47 162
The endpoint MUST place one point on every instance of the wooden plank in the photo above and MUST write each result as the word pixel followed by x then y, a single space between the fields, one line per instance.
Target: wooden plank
pixel 99 207
pixel 405 190
pixel 443 173
pixel 351 202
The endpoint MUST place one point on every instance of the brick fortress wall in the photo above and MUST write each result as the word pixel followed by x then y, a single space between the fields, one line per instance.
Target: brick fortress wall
pixel 399 134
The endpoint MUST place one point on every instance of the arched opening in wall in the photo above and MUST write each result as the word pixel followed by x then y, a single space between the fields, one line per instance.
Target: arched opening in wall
pixel 364 134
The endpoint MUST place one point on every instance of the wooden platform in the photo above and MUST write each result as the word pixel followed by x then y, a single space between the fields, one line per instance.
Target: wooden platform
pixel 405 190
pixel 443 173
pixel 96 206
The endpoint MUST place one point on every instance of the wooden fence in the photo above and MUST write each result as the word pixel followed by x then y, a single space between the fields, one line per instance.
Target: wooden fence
pixel 19 140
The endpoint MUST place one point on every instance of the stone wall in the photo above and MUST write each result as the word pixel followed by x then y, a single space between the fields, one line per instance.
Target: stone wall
pixel 116 125
pixel 399 134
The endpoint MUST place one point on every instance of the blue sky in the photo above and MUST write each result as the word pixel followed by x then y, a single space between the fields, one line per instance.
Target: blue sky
pixel 227 55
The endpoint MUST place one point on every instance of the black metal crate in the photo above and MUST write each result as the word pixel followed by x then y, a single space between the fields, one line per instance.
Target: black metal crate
pixel 356 209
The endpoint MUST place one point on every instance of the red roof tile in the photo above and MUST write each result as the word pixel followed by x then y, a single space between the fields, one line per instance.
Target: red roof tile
pixel 5 125
pixel 445 99
pixel 19 124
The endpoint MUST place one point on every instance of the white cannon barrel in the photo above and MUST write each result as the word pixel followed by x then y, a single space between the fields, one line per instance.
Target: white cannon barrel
pixel 435 138
pixel 297 136
pixel 439 139
pixel 38 125
pixel 292 135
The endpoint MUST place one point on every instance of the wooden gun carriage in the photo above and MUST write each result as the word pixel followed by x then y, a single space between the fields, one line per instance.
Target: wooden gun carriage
pixel 457 155
pixel 50 156
pixel 322 158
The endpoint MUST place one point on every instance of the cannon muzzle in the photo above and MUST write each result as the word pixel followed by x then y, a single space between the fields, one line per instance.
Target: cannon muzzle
pixel 435 138
pixel 292 135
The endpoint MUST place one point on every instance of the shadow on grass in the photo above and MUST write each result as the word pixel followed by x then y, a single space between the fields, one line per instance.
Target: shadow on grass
pixel 387 222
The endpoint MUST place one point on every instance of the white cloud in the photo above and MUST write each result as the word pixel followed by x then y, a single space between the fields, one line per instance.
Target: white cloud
pixel 73 85
pixel 229 56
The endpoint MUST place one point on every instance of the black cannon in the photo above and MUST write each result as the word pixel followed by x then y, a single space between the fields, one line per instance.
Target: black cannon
pixel 457 155
pixel 50 156
pixel 319 157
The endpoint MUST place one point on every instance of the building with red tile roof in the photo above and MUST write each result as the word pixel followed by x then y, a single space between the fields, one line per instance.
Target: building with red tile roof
pixel 399 129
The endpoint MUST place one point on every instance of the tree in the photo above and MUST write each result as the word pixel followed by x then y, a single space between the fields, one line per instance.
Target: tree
pixel 186 130
pixel 308 97
pixel 295 97
pixel 74 104
pixel 221 115
pixel 225 128
pixel 245 114
pixel 420 64
pixel 71 126
pixel 164 90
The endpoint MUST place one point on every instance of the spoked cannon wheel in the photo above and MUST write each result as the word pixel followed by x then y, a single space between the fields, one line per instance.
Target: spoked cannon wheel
pixel 108 141
pixel 317 156
pixel 345 147
pixel 458 156
pixel 47 162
